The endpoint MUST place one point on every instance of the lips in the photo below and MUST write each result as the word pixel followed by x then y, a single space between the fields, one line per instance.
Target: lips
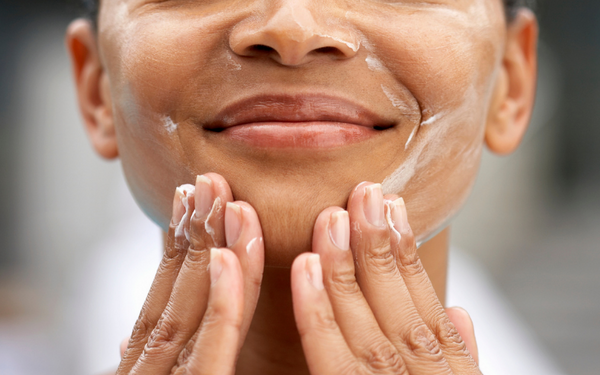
pixel 301 121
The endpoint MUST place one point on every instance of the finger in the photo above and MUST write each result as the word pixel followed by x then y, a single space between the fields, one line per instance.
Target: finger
pixel 383 285
pixel 187 304
pixel 216 346
pixel 244 237
pixel 324 346
pixel 423 294
pixel 123 346
pixel 214 224
pixel 331 240
pixel 464 324
pixel 160 292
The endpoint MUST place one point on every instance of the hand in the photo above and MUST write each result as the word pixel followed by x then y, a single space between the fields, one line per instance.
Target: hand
pixel 196 316
pixel 364 304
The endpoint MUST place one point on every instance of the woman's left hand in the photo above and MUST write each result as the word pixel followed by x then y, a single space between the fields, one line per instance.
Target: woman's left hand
pixel 365 305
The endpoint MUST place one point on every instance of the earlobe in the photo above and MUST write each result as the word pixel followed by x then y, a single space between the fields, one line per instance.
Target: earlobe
pixel 513 100
pixel 92 86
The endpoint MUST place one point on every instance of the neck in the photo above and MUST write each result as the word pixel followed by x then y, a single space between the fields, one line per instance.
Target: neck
pixel 273 344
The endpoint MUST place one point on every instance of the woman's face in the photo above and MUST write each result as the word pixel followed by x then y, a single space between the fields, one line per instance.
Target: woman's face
pixel 295 102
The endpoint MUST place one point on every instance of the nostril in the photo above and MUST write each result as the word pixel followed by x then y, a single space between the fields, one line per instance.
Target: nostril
pixel 260 48
pixel 331 50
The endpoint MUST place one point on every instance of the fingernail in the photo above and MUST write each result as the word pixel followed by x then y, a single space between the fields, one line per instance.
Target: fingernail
pixel 233 223
pixel 216 265
pixel 339 230
pixel 204 196
pixel 314 272
pixel 374 205
pixel 178 209
pixel 399 215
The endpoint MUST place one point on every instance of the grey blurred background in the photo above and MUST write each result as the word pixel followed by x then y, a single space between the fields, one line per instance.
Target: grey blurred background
pixel 533 219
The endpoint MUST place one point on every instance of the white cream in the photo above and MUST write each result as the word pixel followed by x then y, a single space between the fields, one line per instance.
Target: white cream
pixel 410 138
pixel 231 63
pixel 374 64
pixel 217 206
pixel 169 125
pixel 183 228
pixel 432 119
pixel 388 217
pixel 396 101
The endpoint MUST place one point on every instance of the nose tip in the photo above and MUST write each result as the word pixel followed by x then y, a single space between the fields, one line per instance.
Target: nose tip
pixel 292 37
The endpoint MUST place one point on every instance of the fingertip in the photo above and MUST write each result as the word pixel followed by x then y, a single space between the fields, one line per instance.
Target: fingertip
pixel 251 219
pixel 321 227
pixel 464 325
pixel 124 345
pixel 298 273
pixel 221 186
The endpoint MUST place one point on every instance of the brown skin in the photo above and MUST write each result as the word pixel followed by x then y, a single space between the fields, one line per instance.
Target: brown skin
pixel 152 60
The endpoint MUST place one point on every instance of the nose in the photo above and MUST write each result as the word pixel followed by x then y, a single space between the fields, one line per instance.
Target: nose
pixel 291 36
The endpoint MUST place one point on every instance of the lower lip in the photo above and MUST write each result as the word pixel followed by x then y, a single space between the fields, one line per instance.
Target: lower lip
pixel 314 135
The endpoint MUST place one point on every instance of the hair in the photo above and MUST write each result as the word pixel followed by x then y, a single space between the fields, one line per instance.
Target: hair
pixel 511 7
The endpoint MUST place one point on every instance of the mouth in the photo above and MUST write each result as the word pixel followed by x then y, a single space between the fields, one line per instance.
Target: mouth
pixel 297 121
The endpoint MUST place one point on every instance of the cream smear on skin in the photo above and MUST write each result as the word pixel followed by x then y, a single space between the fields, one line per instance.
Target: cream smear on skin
pixel 169 125
pixel 231 63
pixel 182 229
pixel 428 146
pixel 216 208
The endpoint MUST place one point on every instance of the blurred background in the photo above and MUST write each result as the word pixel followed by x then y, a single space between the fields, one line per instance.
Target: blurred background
pixel 532 224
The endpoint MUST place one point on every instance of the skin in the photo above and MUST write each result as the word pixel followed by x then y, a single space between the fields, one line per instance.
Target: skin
pixel 451 74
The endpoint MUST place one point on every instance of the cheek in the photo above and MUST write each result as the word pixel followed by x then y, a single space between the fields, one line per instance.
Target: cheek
pixel 440 170
pixel 165 65
pixel 451 76
pixel 150 79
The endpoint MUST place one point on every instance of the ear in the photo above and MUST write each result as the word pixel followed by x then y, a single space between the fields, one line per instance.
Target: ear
pixel 93 90
pixel 514 96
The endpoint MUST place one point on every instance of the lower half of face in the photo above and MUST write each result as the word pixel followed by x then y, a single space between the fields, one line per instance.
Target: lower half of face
pixel 293 119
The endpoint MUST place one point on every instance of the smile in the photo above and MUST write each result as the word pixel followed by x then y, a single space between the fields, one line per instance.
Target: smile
pixel 301 121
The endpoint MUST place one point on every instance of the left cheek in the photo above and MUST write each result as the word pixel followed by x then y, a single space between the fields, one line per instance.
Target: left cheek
pixel 439 61
pixel 166 63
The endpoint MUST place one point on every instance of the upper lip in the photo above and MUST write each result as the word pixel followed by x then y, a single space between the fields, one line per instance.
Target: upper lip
pixel 295 109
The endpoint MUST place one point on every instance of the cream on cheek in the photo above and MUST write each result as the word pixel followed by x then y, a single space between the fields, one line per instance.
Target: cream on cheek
pixel 439 168
pixel 452 85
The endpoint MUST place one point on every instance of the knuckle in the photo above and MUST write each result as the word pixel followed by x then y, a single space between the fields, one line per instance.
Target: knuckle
pixel 172 252
pixel 449 337
pixel 174 247
pixel 165 336
pixel 410 264
pixel 384 359
pixel 223 316
pixel 141 329
pixel 421 342
pixel 321 321
pixel 186 352
pixel 343 284
pixel 179 370
pixel 198 255
pixel 381 259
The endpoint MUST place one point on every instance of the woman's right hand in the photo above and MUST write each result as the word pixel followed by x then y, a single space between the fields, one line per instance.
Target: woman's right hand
pixel 203 297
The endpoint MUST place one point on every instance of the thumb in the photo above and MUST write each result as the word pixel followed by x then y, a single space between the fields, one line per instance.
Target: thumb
pixel 464 325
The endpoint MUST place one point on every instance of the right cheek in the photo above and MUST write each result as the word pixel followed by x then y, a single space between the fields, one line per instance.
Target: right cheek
pixel 152 168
